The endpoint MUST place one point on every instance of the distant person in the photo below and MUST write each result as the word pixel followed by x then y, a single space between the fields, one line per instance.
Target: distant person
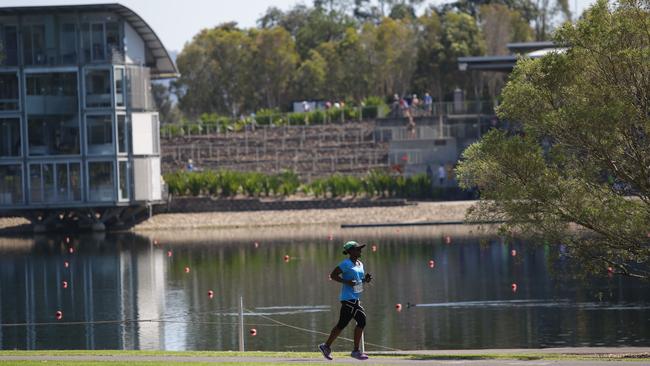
pixel 428 104
pixel 430 174
pixel 442 174
pixel 190 165
pixel 351 274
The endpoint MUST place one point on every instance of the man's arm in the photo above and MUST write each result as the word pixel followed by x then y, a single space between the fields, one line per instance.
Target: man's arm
pixel 336 276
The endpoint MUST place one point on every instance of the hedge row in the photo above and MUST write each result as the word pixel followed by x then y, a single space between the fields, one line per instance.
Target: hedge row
pixel 213 123
pixel 252 184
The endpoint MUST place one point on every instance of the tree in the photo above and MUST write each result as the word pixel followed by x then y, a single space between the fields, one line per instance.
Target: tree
pixel 275 61
pixel 500 25
pixel 460 37
pixel 577 172
pixel 310 78
pixel 215 72
pixel 391 49
pixel 427 71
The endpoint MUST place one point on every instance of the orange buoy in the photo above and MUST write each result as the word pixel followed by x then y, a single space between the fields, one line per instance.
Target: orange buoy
pixel 513 253
pixel 514 287
pixel 169 253
pixel 210 294
pixel 58 315
pixel 66 264
pixel 253 332
pixel 398 307
pixel 432 263
pixel 64 284
pixel 187 269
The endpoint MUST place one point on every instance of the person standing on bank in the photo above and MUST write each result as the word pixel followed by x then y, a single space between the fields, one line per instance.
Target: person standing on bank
pixel 351 274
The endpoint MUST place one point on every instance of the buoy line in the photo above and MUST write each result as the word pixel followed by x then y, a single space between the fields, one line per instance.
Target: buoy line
pixel 314 331
pixel 100 322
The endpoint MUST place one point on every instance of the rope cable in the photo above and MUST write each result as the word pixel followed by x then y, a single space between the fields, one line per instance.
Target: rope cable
pixel 315 331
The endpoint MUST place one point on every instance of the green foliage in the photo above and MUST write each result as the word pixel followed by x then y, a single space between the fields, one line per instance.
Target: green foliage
pixel 309 53
pixel 228 184
pixel 583 157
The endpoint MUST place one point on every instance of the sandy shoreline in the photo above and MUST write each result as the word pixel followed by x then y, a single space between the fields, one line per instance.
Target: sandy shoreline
pixel 419 212
pixel 453 211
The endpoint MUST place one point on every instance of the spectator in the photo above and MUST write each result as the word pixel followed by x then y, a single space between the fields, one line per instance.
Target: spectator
pixel 442 174
pixel 428 104
pixel 190 165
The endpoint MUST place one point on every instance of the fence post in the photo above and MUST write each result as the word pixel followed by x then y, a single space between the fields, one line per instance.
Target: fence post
pixel 241 324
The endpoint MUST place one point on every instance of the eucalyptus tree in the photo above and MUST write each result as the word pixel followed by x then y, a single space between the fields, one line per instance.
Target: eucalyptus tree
pixel 214 69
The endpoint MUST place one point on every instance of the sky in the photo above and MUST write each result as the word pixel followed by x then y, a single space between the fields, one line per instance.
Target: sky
pixel 177 21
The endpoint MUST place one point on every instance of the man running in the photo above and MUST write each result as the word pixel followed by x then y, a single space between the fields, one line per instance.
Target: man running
pixel 351 274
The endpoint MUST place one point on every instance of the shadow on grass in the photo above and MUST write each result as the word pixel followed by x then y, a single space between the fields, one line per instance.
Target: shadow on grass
pixel 471 357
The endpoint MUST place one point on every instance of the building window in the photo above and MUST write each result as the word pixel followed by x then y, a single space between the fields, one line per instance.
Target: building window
pixel 101 181
pixel 98 88
pixel 10 137
pixel 52 94
pixel 53 135
pixel 100 135
pixel 34 52
pixel 101 42
pixel 155 133
pixel 8 91
pixel 124 181
pixel 11 184
pixel 9 45
pixel 122 134
pixel 119 87
pixel 68 46
pixel 55 182
pixel 42 183
pixel 138 89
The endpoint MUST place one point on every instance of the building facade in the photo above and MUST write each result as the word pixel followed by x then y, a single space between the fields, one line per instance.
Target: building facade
pixel 78 124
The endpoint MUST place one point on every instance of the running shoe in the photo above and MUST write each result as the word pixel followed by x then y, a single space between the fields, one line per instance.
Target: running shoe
pixel 359 355
pixel 325 350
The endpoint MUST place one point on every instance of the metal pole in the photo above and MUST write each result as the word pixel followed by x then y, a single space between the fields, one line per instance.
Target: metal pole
pixel 363 343
pixel 241 324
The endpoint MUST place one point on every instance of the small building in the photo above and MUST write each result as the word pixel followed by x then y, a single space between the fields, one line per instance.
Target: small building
pixel 79 130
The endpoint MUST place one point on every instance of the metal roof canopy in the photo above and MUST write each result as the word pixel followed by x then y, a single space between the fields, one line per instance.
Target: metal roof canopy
pixel 163 66
pixel 507 63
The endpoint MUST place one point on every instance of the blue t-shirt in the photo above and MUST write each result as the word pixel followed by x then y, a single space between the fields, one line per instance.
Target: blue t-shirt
pixel 351 271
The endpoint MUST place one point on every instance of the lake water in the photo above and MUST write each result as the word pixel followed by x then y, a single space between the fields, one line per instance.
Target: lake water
pixel 126 291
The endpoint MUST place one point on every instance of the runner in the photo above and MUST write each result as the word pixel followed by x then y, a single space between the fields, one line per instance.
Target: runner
pixel 351 274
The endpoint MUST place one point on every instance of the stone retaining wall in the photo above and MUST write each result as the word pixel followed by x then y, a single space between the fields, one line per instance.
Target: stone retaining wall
pixel 208 204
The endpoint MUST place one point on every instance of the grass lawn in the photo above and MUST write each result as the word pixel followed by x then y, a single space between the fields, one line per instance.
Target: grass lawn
pixel 283 355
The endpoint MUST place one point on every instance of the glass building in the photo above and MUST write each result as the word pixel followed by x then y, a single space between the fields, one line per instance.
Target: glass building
pixel 78 124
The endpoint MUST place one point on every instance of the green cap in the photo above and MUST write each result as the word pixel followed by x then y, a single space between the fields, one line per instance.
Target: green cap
pixel 351 244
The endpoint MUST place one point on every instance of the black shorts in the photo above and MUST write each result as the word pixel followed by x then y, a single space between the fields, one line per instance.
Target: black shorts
pixel 351 309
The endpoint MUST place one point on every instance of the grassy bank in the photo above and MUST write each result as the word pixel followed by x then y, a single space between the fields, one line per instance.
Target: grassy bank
pixel 114 358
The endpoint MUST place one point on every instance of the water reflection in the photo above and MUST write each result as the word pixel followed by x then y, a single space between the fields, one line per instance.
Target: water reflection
pixel 127 292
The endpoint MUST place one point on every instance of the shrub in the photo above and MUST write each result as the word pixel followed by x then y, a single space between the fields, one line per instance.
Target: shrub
pixel 229 182
pixel 289 183
pixel 297 118
pixel 252 183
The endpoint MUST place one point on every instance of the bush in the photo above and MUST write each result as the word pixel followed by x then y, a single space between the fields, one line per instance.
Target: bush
pixel 289 183
pixel 297 118
pixel 376 184
pixel 268 117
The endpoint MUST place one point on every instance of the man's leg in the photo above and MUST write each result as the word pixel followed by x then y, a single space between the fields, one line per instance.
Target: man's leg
pixel 358 332
pixel 333 334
